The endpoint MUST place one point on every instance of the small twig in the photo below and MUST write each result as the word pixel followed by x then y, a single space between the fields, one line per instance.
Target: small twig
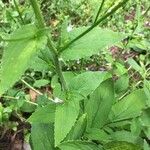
pixel 10 97
pixel 31 87
pixel 38 92
pixel 145 13
pixel 122 96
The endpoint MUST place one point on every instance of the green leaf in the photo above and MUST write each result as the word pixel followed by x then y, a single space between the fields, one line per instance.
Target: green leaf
pixel 129 107
pixel 78 129
pixel 92 43
pixel 78 145
pixel 145 122
pixel 65 118
pixel 145 117
pixel 97 134
pixel 87 82
pixel 18 55
pixel 126 136
pixel 28 107
pixel 121 146
pixel 136 127
pixel 42 136
pixel 43 114
pixel 122 83
pixel 99 104
pixel 146 145
pixel 40 83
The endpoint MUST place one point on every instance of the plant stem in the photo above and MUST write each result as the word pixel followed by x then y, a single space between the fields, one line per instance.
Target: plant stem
pixel 98 13
pixel 111 12
pixel 37 13
pixel 50 44
pixel 32 88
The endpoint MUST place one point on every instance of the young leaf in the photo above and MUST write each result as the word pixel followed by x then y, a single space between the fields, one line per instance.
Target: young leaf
pixel 18 55
pixel 65 118
pixel 91 43
pixel 42 136
pixel 99 104
pixel 43 114
pixel 129 107
pixel 78 145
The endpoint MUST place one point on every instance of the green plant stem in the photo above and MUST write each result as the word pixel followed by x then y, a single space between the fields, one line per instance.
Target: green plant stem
pixel 111 12
pixel 145 13
pixel 99 11
pixel 32 88
pixel 9 97
pixel 17 8
pixel 37 13
pixel 50 44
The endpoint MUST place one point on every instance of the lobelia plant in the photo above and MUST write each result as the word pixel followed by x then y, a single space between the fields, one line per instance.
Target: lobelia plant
pixel 84 112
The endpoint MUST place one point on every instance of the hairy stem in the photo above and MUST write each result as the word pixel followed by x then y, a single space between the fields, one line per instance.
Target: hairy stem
pixel 111 12
pixel 50 44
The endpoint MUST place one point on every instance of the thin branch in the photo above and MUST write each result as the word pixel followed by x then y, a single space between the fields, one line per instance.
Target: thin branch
pixel 99 11
pixel 111 12
pixel 32 88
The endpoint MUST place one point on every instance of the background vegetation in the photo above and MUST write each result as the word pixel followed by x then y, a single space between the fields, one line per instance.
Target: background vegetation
pixel 102 99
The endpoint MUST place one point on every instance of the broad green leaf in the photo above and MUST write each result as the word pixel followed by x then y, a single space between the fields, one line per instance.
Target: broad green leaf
pixel 97 134
pixel 78 145
pixel 87 82
pixel 78 129
pixel 43 114
pixel 129 107
pixel 65 118
pixel 99 104
pixel 126 136
pixel 91 43
pixel 18 55
pixel 121 146
pixel 42 136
